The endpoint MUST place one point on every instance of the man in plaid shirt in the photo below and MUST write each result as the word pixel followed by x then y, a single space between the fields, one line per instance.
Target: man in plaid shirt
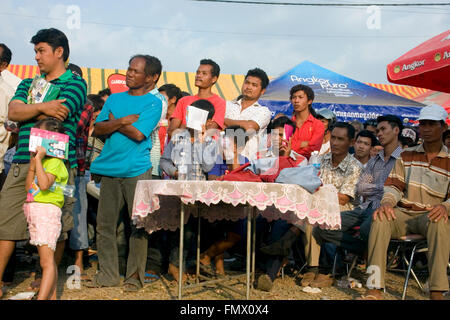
pixel 79 235
pixel 83 135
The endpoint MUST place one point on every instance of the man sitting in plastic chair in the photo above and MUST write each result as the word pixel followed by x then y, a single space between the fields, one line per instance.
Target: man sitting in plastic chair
pixel 415 201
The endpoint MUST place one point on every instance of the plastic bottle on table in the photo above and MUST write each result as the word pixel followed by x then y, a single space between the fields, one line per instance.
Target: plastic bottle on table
pixel 182 167
pixel 314 159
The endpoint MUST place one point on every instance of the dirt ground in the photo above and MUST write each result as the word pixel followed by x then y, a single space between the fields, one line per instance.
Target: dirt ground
pixel 285 288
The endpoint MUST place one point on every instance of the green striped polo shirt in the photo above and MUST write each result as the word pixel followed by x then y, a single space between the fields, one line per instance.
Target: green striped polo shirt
pixel 74 90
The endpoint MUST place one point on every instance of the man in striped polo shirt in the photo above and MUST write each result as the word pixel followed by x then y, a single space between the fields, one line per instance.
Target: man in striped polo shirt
pixel 416 201
pixel 52 50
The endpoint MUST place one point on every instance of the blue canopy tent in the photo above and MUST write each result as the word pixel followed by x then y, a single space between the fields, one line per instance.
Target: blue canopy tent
pixel 347 98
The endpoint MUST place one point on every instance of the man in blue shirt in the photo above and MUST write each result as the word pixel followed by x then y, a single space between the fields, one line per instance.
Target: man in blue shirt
pixel 128 119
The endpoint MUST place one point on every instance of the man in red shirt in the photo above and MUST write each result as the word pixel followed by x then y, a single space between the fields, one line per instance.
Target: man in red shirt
pixel 206 76
pixel 309 134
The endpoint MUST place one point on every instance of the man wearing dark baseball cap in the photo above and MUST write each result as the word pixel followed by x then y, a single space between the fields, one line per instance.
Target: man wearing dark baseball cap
pixel 416 201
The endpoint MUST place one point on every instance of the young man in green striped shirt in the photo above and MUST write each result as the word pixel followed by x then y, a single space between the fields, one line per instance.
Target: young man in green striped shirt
pixel 52 51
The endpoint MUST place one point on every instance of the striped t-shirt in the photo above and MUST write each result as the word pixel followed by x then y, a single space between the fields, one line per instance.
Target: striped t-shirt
pixel 155 152
pixel 414 183
pixel 74 90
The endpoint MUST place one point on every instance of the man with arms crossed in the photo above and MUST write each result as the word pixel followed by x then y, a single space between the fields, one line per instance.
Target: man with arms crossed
pixel 128 118
pixel 52 51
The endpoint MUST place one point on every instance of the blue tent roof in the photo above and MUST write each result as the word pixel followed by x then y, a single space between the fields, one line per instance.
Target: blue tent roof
pixel 347 98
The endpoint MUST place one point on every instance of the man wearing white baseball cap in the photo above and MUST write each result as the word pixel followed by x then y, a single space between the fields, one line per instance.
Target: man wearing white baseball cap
pixel 416 201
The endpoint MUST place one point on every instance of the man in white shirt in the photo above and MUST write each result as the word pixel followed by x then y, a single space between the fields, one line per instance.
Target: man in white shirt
pixel 247 113
pixel 6 93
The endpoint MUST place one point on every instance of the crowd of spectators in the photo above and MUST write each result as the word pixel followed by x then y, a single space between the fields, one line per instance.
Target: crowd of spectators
pixel 391 180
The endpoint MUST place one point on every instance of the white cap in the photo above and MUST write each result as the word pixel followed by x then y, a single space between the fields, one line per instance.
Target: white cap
pixel 433 112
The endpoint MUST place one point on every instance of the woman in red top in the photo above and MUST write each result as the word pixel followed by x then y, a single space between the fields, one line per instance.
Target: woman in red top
pixel 309 134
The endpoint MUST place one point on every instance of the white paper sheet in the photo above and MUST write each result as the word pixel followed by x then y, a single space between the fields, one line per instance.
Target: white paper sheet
pixel 196 118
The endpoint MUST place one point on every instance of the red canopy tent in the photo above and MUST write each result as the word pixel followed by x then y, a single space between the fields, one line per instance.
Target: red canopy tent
pixel 425 66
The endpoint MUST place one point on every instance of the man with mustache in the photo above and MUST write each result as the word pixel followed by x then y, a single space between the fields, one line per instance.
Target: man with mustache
pixel 205 78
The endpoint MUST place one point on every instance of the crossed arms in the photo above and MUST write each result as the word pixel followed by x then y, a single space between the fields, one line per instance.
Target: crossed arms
pixel 124 125
pixel 20 111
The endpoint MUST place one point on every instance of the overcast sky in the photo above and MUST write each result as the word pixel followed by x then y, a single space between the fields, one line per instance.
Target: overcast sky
pixel 104 34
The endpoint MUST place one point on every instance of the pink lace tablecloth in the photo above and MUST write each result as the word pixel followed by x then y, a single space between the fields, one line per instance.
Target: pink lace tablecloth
pixel 226 199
